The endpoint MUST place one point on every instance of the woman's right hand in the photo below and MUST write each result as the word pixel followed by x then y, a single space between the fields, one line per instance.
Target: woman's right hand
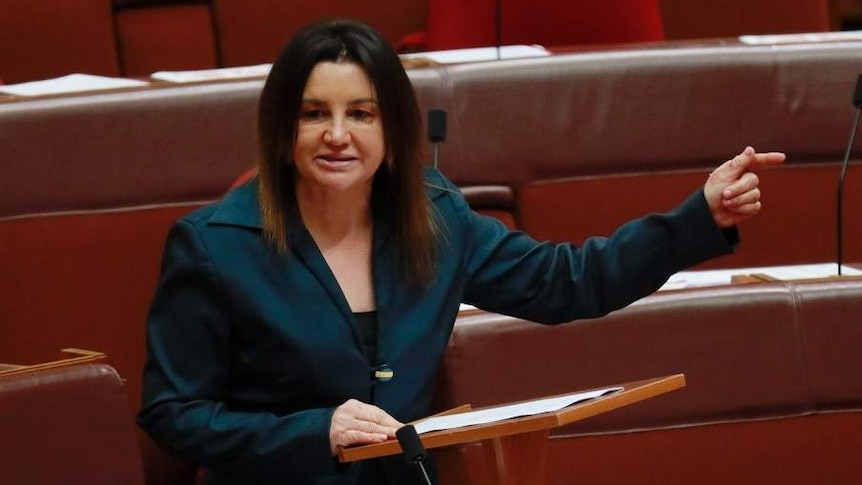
pixel 357 423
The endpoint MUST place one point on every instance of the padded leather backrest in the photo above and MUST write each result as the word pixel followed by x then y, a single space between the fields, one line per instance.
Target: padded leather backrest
pixel 601 113
pixel 456 24
pixel 160 145
pixel 47 38
pixel 252 32
pixel 68 425
pixel 831 314
pixel 576 22
pixel 168 38
pixel 739 348
pixel 685 19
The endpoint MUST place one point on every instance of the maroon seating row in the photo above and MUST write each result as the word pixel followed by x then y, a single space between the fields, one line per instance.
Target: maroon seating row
pixel 772 395
pixel 134 38
pixel 561 147
pixel 68 425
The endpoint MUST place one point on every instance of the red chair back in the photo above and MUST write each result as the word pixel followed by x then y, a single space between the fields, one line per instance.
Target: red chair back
pixel 455 24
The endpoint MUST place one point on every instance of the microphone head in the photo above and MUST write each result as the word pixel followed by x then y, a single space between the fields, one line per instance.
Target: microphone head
pixel 437 125
pixel 857 94
pixel 411 445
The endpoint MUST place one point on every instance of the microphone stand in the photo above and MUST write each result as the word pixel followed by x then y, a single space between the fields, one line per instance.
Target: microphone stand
pixel 497 27
pixel 412 449
pixel 840 211
pixel 436 130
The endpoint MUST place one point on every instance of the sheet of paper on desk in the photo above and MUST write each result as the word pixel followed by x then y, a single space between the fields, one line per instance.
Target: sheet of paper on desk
pixel 73 83
pixel 718 277
pixel 803 38
pixel 500 413
pixel 480 54
pixel 200 75
pixel 465 307
pixel 805 271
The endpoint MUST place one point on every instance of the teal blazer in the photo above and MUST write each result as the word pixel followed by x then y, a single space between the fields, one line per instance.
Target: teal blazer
pixel 250 351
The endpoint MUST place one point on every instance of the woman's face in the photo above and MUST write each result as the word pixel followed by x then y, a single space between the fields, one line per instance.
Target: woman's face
pixel 339 142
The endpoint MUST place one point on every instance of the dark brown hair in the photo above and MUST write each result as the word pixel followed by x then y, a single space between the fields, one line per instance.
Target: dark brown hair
pixel 398 193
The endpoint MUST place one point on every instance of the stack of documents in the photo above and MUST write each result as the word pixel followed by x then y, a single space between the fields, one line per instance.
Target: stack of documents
pixel 500 413
pixel 73 83
pixel 260 70
pixel 480 54
pixel 693 279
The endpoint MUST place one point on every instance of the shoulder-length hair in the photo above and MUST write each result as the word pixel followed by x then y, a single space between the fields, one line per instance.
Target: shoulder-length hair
pixel 398 193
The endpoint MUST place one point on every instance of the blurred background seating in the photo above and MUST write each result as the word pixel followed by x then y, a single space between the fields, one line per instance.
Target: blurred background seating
pixel 68 424
pixel 133 38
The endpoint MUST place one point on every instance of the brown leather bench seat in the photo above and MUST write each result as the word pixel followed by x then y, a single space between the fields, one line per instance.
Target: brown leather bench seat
pixel 559 146
pixel 68 425
pixel 590 140
pixel 772 388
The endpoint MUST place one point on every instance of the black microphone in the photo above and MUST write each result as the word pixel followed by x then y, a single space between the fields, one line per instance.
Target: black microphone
pixel 857 102
pixel 436 130
pixel 412 449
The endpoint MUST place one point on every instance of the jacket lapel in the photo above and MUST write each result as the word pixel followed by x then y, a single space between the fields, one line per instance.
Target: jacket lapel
pixel 241 208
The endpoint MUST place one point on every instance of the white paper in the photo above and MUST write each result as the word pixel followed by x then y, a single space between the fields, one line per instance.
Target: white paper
pixel 501 413
pixel 480 54
pixel 72 83
pixel 805 271
pixel 718 277
pixel 260 70
pixel 464 307
pixel 801 38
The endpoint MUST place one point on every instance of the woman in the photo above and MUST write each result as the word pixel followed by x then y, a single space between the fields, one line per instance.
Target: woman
pixel 309 308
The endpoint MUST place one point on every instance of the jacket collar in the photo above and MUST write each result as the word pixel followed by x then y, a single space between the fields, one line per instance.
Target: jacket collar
pixel 239 207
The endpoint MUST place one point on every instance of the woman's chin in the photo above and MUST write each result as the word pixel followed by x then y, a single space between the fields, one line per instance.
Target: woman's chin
pixel 340 180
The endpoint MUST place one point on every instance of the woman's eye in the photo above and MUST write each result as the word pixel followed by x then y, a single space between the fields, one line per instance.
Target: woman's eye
pixel 312 114
pixel 361 115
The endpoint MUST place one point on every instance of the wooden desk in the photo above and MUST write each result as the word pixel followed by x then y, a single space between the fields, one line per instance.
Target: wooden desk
pixel 516 447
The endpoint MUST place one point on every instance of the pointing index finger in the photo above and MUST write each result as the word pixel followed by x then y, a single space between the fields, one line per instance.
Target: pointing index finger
pixel 768 158
pixel 749 160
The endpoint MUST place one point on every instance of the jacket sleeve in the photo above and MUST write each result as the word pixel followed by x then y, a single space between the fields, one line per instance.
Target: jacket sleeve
pixel 510 273
pixel 187 374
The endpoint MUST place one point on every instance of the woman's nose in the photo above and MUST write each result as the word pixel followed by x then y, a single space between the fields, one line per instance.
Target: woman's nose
pixel 337 133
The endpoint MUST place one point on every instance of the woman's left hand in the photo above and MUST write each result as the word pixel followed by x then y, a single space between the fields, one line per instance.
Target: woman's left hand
pixel 732 190
pixel 358 423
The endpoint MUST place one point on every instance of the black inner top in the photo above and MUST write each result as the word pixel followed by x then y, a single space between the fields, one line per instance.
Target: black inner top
pixel 367 323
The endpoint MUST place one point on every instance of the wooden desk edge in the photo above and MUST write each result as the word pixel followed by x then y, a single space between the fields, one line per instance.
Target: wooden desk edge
pixel 632 392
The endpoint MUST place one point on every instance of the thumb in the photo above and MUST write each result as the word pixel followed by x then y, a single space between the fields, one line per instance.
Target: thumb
pixel 735 167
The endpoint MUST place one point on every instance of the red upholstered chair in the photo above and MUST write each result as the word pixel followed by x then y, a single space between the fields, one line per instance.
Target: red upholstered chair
pixel 253 32
pixel 175 37
pixel 456 24
pixel 49 38
pixel 244 177
pixel 69 424
pixel 567 22
pixel 685 19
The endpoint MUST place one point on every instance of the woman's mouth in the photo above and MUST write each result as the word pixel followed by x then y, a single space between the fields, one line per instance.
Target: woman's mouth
pixel 337 158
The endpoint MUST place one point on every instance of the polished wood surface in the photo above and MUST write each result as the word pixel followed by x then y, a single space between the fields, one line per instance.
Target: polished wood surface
pixel 541 423
pixel 69 357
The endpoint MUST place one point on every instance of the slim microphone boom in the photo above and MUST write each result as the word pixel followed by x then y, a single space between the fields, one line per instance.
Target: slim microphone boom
pixel 436 130
pixel 857 102
pixel 412 449
pixel 498 27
